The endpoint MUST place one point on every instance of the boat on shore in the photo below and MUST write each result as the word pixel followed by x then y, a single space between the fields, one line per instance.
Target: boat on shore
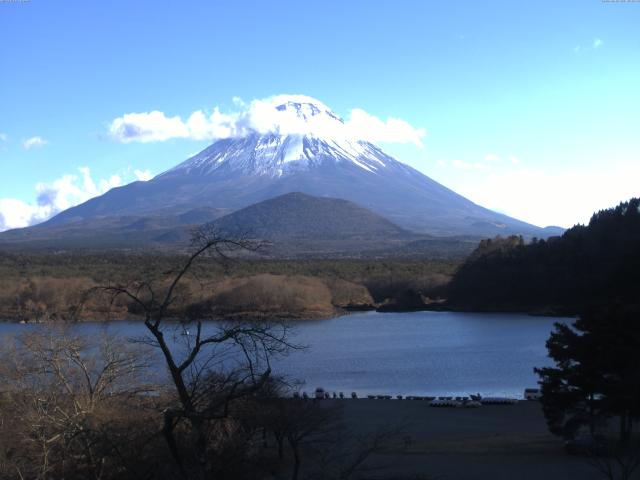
pixel 498 401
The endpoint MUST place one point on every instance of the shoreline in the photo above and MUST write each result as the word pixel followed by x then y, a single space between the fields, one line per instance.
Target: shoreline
pixel 308 315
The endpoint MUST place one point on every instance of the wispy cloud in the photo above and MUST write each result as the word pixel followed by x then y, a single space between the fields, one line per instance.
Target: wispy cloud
pixel 64 192
pixel 490 161
pixel 34 142
pixel 595 44
pixel 261 116
pixel 143 175
pixel 517 188
pixel 540 197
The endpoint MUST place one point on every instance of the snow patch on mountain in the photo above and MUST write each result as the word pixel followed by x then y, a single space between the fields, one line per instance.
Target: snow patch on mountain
pixel 277 155
pixel 304 134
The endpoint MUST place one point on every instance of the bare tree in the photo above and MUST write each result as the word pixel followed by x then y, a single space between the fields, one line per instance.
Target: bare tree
pixel 56 385
pixel 320 444
pixel 618 462
pixel 305 425
pixel 210 367
pixel 346 455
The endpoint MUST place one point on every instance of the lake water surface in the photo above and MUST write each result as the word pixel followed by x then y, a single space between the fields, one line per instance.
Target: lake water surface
pixel 417 353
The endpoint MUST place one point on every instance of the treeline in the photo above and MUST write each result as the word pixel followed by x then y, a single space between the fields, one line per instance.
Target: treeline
pixel 121 266
pixel 586 267
pixel 61 287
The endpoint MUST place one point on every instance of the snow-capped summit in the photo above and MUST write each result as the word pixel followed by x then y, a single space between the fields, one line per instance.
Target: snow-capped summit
pixel 293 115
pixel 303 107
pixel 288 134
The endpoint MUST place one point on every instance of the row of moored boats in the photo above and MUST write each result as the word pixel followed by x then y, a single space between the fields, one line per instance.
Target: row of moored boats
pixel 471 401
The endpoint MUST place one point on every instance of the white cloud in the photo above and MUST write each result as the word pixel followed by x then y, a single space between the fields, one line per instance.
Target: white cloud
pixel 3 137
pixel 62 193
pixel 597 43
pixel 263 116
pixel 490 162
pixel 393 130
pixel 143 175
pixel 238 102
pixel 34 142
pixel 545 198
pixel 147 127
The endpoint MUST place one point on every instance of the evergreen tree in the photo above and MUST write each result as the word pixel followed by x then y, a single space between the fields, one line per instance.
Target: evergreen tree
pixel 588 266
pixel 597 372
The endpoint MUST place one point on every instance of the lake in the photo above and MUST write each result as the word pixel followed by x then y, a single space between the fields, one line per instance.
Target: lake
pixel 417 353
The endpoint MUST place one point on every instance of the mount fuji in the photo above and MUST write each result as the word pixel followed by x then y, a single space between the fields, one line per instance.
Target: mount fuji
pixel 307 149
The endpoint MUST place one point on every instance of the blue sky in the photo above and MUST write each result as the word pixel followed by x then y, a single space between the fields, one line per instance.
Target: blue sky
pixel 530 108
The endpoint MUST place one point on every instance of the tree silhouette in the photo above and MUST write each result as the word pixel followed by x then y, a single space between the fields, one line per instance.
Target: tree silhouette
pixel 596 376
pixel 210 368
pixel 589 266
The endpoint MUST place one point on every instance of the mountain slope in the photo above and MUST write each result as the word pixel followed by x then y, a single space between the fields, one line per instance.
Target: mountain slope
pixel 299 225
pixel 127 231
pixel 298 217
pixel 310 151
pixel 295 225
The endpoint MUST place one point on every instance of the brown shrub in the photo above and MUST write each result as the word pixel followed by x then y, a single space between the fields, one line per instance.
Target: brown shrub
pixel 348 294
pixel 279 294
pixel 43 298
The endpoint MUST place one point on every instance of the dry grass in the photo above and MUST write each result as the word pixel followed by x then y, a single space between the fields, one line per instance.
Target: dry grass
pixel 38 299
pixel 275 294
pixel 43 298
